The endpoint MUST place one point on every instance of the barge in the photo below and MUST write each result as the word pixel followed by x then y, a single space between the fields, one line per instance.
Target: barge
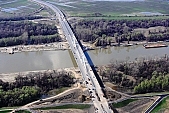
pixel 156 45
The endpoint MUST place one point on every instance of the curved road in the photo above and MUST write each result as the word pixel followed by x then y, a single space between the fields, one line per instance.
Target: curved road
pixel 99 101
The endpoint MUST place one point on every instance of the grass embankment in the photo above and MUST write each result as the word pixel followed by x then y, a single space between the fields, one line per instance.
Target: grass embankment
pixel 163 105
pixel 70 106
pixel 123 103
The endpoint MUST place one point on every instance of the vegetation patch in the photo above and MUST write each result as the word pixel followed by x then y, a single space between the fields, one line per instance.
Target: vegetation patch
pixel 105 32
pixel 30 87
pixel 126 17
pixel 123 103
pixel 147 75
pixel 21 32
pixel 18 7
pixel 5 111
pixel 71 106
pixel 109 8
pixel 161 106
pixel 156 83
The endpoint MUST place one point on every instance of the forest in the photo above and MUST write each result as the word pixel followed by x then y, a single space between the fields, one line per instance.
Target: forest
pixel 29 88
pixel 25 32
pixel 102 31
pixel 152 73
pixel 158 82
pixel 18 18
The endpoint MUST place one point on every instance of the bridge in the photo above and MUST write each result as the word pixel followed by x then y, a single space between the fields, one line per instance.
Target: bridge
pixel 96 93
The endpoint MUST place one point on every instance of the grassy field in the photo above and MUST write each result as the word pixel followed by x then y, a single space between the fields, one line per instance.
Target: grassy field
pixel 163 105
pixel 17 6
pixel 81 8
pixel 112 10
pixel 128 17
pixel 123 103
pixel 71 106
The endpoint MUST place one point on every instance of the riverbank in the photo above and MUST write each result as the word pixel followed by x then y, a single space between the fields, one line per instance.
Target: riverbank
pixel 10 77
pixel 62 46
pixel 30 48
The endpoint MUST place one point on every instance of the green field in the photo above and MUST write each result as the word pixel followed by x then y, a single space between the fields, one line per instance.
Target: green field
pixel 163 105
pixel 123 103
pixel 17 7
pixel 109 8
pixel 128 17
pixel 71 106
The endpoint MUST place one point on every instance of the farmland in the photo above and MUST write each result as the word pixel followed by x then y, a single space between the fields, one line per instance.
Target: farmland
pixel 17 7
pixel 109 8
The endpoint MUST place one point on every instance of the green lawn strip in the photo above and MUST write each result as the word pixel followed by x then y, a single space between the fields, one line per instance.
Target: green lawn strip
pixel 70 106
pixel 161 105
pixel 123 103
pixel 5 111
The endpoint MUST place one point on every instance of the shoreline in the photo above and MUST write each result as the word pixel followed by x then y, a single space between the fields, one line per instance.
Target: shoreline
pixel 10 77
pixel 61 46
pixel 33 48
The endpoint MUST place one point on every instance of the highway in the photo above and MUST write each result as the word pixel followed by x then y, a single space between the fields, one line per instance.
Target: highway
pixel 96 94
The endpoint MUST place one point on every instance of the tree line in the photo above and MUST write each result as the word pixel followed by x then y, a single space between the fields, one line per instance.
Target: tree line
pixel 25 39
pixel 14 29
pixel 121 30
pixel 18 18
pixel 158 82
pixel 24 32
pixel 29 88
pixel 18 96
pixel 131 74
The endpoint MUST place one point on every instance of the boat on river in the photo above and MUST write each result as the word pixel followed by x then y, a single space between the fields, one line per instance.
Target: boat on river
pixel 155 45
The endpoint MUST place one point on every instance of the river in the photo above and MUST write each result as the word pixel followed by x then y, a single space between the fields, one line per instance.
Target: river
pixel 43 60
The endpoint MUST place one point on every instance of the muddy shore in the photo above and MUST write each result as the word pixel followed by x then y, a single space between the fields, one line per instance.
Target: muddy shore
pixel 10 77
pixel 42 47
pixel 51 47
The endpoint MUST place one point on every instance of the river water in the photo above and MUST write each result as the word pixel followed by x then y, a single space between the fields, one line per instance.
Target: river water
pixel 43 60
